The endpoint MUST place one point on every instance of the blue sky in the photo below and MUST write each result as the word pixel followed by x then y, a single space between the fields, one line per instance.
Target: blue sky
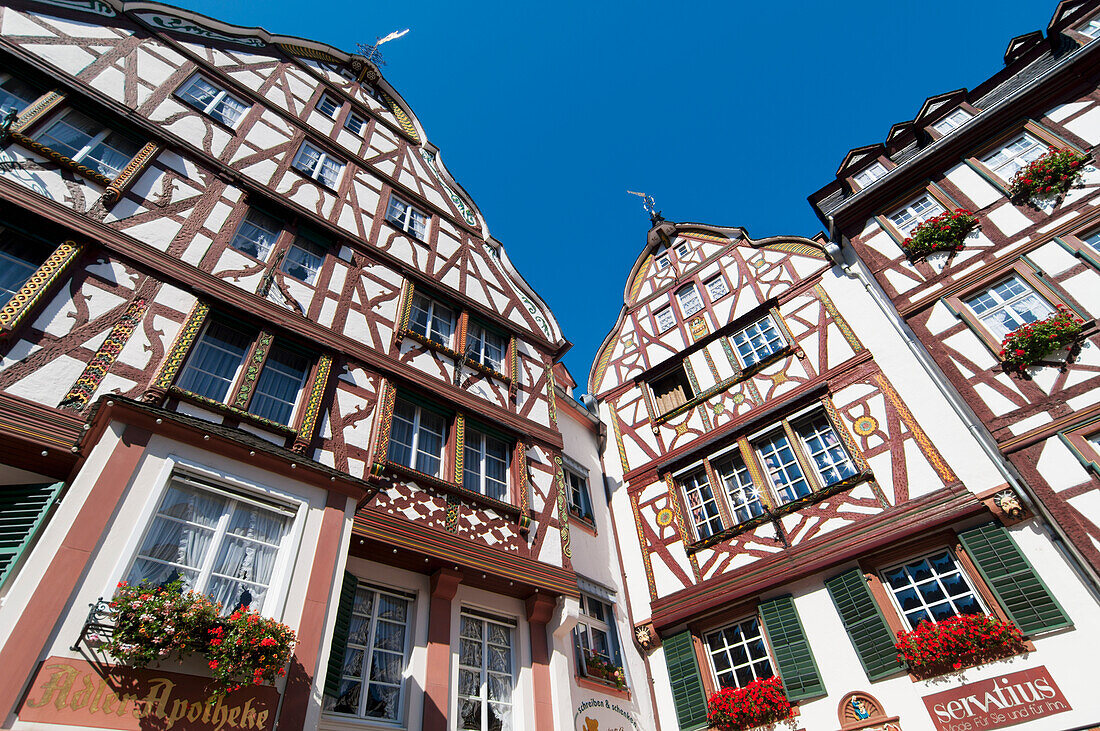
pixel 726 112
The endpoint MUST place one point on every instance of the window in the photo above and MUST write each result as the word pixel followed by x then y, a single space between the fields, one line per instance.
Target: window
pixel 869 174
pixel 303 260
pixel 580 503
pixel 355 123
pixel 931 588
pixel 1090 28
pixel 915 212
pixel 16 94
pixel 408 219
pixel 717 287
pixel 217 359
pixel 665 319
pixel 662 262
pixel 220 544
pixel 432 320
pixel 485 465
pixel 671 390
pixel 417 438
pixel 952 121
pixel 758 341
pixel 1014 156
pixel 486 347
pixel 374 663
pixel 213 100
pixel 744 496
pixel 1093 240
pixel 702 506
pixel 318 165
pixel 689 299
pixel 1008 305
pixel 328 106
pixel 89 143
pixel 739 654
pixel 484 674
pixel 596 640
pixel 818 443
pixel 683 250
pixel 256 235
pixel 19 259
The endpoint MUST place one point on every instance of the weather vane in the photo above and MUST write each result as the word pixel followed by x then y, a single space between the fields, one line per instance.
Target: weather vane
pixel 373 54
pixel 648 204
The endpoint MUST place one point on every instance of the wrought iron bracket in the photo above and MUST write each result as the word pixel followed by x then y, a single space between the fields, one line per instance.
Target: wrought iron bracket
pixel 95 626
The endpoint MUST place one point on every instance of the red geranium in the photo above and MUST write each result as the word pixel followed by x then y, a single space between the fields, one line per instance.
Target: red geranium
pixel 934 648
pixel 1027 345
pixel 1049 176
pixel 759 703
pixel 945 232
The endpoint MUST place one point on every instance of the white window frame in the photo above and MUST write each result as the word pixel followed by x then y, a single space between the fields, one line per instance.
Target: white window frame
pixel 483 460
pixel 414 448
pixel 1090 27
pixel 478 344
pixel 915 212
pixel 869 174
pixel 99 138
pixel 770 325
pixel 685 294
pixel 579 476
pixel 665 319
pixel 605 625
pixel 715 292
pixel 359 128
pixel 957 118
pixel 683 250
pixel 219 97
pixel 1019 158
pixel 322 158
pixel 513 657
pixel 725 649
pixel 1092 238
pixel 662 261
pixel 245 488
pixel 407 217
pixel 693 482
pixel 335 103
pixel 959 567
pixel 433 317
pixel 1008 305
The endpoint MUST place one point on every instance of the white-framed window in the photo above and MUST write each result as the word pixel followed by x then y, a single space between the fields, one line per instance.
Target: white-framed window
pixel 315 163
pixel 683 250
pixel 952 121
pixel 702 505
pixel 781 466
pixel 1093 239
pixel 256 234
pixel 432 320
pixel 417 437
pixel 580 502
pixel 738 653
pixel 355 122
pixel 485 672
pixel 329 106
pixel 869 174
pixel 717 287
pixel 280 383
pixel 671 389
pixel 931 588
pixel 665 318
pixel 1090 27
pixel 372 684
pixel 915 212
pixel 596 641
pixel 745 500
pixel 1013 156
pixel 486 347
pixel 1007 305
pixel 663 262
pixel 819 446
pixel 213 100
pixel 219 543
pixel 689 299
pixel 407 218
pixel 303 260
pixel 758 341
pixel 16 94
pixel 20 258
pixel 485 465
pixel 88 142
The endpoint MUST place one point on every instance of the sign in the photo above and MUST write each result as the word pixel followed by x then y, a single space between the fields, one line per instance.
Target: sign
pixel 603 714
pixel 1003 700
pixel 76 693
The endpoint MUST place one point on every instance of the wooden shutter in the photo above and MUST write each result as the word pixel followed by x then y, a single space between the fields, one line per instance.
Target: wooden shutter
pixel 792 651
pixel 1021 592
pixel 339 645
pixel 23 510
pixel 866 627
pixel 687 685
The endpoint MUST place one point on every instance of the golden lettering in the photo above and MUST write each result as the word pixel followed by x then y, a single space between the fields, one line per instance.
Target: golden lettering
pixel 179 710
pixel 195 711
pixel 248 715
pixel 93 707
pixel 59 684
pixel 83 696
pixel 127 699
pixel 234 714
pixel 261 719
pixel 220 714
pixel 160 690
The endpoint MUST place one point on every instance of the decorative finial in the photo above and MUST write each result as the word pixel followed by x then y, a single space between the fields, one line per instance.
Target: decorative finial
pixel 371 51
pixel 655 216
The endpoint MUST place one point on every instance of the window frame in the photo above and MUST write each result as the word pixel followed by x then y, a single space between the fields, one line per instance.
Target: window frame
pixel 487 331
pixel 689 389
pixel 8 260
pixel 575 474
pixel 933 193
pixel 222 93
pixel 512 627
pixel 429 330
pixel 5 76
pixel 719 277
pixel 948 119
pixel 76 161
pixel 475 429
pixel 882 570
pixel 866 170
pixel 657 319
pixel 337 105
pixel 354 114
pixel 1045 137
pixel 323 156
pixel 276 244
pixel 775 321
pixel 693 287
pixel 736 622
pixel 608 626
pixel 408 225
pixel 1092 23
pixel 444 457
pixel 1077 241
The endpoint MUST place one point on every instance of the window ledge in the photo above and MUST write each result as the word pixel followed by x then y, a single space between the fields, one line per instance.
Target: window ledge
pixel 779 512
pixel 588 525
pixel 455 489
pixel 66 162
pixel 233 411
pixel 440 348
pixel 344 722
pixel 207 116
pixel 724 385
pixel 403 232
pixel 1088 329
pixel 601 686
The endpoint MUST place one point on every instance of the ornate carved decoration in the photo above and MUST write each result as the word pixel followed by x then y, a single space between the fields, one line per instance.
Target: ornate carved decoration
pixel 845 435
pixel 563 509
pixel 550 397
pixel 36 112
pixel 460 442
pixel 125 179
pixel 520 460
pixel 252 370
pixel 463 208
pixel 453 508
pixel 387 395
pixel 173 361
pixel 922 440
pixel 304 52
pixel 35 288
pixel 105 356
pixel 840 322
pixel 646 637
pixel 618 436
pixel 312 411
pixel 403 119
pixel 82 170
pixel 859 711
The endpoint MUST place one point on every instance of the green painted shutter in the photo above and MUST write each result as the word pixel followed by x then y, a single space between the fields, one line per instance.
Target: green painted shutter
pixel 339 644
pixel 866 627
pixel 792 651
pixel 687 686
pixel 23 510
pixel 1021 592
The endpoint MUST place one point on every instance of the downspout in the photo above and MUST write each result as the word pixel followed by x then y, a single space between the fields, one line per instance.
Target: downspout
pixel 835 251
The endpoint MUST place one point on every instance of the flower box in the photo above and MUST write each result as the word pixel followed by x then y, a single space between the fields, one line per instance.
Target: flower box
pixel 937 648
pixel 760 703
pixel 1028 345
pixel 1050 176
pixel 598 668
pixel 945 232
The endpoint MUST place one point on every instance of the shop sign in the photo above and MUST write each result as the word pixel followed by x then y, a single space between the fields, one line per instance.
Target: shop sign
pixel 76 693
pixel 603 714
pixel 1003 700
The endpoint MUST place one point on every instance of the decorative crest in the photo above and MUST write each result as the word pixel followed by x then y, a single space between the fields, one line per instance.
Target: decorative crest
pixel 648 204
pixel 371 51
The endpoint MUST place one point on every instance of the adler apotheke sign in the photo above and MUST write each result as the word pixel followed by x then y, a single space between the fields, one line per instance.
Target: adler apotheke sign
pixel 1003 700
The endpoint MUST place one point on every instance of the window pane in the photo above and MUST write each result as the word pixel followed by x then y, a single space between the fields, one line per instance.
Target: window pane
pixel 782 467
pixel 827 454
pixel 739 654
pixel 1007 161
pixel 702 505
pixel 19 259
pixel 307 159
pixel 229 109
pixel 70 134
pixel 758 341
pixel 665 319
pixel 485 676
pixel 717 287
pixel 744 496
pixel 303 260
pixel 214 361
pixel 328 106
pixel 110 155
pixel 690 301
pixel 16 94
pixel 932 588
pixel 256 235
pixel 279 384
pixel 1008 305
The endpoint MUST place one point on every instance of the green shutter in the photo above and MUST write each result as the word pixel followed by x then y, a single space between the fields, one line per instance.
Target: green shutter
pixel 339 644
pixel 23 510
pixel 792 651
pixel 1021 592
pixel 866 627
pixel 687 686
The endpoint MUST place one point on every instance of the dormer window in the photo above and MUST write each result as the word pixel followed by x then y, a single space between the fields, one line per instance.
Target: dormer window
pixel 952 121
pixel 683 250
pixel 869 174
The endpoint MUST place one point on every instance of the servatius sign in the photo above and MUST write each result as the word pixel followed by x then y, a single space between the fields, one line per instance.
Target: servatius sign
pixel 1003 700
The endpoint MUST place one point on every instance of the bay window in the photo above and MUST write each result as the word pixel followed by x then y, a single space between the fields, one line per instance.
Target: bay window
pixel 89 143
pixel 315 163
pixel 417 438
pixel 757 341
pixel 1007 305
pixel 485 672
pixel 213 100
pixel 739 654
pixel 485 464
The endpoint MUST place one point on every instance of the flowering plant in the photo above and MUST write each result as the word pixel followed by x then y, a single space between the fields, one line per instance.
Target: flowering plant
pixel 1049 176
pixel 596 666
pixel 1027 345
pixel 759 703
pixel 154 622
pixel 945 232
pixel 248 649
pixel 934 648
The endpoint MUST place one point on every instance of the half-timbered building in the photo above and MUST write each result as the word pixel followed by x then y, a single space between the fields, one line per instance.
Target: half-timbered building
pixel 800 493
pixel 254 336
